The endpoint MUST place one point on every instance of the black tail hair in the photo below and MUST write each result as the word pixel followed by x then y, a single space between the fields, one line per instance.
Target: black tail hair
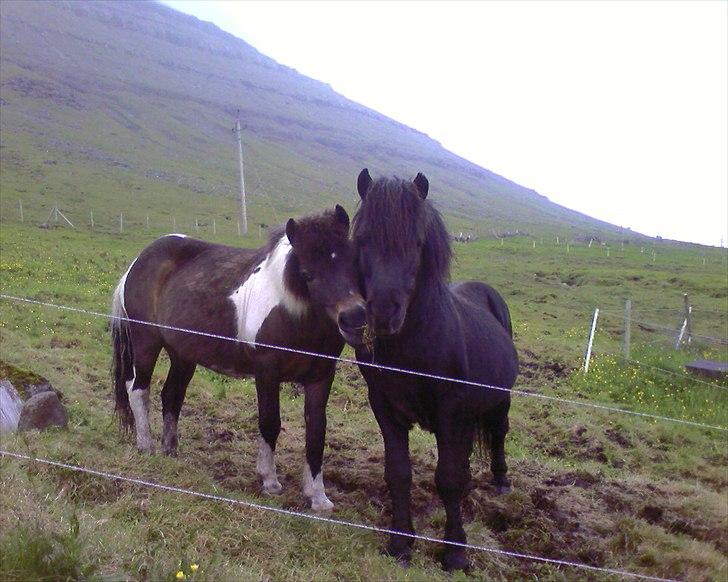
pixel 482 436
pixel 122 365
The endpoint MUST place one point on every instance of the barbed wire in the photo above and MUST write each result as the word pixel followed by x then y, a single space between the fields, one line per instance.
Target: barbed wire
pixel 470 383
pixel 328 520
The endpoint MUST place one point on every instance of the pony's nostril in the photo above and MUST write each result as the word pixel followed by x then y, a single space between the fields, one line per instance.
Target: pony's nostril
pixel 352 318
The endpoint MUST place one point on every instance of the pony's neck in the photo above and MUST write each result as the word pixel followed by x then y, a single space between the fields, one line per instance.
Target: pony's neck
pixel 427 303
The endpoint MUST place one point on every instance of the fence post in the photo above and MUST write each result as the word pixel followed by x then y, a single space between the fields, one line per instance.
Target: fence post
pixel 92 220
pixel 587 355
pixel 174 224
pixel 688 318
pixel 20 206
pixel 121 222
pixel 214 226
pixel 627 327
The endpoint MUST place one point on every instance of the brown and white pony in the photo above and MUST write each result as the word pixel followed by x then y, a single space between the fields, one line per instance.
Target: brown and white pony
pixel 288 293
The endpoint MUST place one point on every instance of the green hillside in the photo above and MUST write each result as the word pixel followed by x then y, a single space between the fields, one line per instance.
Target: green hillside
pixel 128 107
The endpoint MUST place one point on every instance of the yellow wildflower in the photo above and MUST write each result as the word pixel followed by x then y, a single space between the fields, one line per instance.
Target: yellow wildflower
pixel 180 575
pixel 194 567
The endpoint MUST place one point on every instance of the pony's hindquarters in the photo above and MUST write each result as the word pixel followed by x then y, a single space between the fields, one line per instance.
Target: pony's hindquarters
pixel 135 350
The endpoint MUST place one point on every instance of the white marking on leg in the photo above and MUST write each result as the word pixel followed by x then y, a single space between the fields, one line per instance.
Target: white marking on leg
pixel 266 468
pixel 139 403
pixel 264 290
pixel 313 488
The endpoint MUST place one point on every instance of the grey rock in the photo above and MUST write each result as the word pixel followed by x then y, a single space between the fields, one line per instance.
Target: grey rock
pixel 10 407
pixel 33 389
pixel 42 411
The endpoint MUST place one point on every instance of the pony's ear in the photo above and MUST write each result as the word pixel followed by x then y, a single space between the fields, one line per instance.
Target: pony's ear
pixel 291 230
pixel 363 182
pixel 422 185
pixel 342 217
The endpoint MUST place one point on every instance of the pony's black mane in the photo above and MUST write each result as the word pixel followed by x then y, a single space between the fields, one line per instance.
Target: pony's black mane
pixel 394 220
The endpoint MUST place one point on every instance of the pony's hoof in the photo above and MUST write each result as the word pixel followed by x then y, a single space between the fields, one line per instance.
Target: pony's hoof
pixel 501 483
pixel 502 489
pixel 145 448
pixel 322 505
pixel 401 552
pixel 272 488
pixel 169 452
pixel 455 560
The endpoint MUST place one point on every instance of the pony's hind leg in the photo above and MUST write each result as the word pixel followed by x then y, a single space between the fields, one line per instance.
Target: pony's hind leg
pixel 173 395
pixel 316 395
pixel 269 424
pixel 146 350
pixel 498 431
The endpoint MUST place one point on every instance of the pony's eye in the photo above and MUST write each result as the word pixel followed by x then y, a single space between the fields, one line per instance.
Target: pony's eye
pixel 306 276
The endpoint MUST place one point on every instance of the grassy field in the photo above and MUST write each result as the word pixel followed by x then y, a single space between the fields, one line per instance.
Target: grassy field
pixel 592 486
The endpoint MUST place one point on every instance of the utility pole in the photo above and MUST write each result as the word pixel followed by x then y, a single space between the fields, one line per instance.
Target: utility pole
pixel 243 211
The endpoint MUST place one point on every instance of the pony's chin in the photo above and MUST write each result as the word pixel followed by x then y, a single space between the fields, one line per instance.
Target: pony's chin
pixel 391 329
pixel 354 338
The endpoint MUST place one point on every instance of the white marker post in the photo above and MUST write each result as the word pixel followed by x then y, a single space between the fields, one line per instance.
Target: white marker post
pixel 587 355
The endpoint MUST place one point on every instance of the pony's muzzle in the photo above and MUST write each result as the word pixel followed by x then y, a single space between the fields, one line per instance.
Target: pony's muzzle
pixel 352 322
pixel 385 317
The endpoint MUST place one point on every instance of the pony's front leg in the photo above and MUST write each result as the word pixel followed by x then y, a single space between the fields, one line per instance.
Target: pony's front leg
pixel 316 397
pixel 454 445
pixel 269 424
pixel 397 474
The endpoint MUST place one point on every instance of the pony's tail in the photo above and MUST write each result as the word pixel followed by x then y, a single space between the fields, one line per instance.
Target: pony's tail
pixel 122 365
pixel 482 436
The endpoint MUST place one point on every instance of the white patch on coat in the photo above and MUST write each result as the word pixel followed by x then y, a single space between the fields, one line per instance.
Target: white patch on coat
pixel 139 403
pixel 264 290
pixel 266 468
pixel 118 303
pixel 313 488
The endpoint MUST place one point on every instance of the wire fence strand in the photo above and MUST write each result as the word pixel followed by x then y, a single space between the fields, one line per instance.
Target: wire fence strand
pixel 329 520
pixel 528 392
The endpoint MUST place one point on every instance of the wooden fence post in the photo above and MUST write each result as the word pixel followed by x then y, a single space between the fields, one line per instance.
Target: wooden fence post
pixel 20 206
pixel 92 220
pixel 627 327
pixel 587 355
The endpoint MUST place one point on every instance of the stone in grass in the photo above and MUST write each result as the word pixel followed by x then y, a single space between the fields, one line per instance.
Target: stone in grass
pixel 10 406
pixel 42 411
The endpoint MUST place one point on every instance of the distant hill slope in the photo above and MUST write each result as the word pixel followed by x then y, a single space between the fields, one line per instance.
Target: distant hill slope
pixel 129 105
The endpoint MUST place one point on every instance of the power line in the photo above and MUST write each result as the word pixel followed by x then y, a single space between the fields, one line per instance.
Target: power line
pixel 368 364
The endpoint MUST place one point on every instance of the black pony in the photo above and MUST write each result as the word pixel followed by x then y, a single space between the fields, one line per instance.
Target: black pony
pixel 288 293
pixel 422 323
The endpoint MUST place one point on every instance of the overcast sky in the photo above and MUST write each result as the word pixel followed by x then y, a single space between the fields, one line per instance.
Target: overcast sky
pixel 616 109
